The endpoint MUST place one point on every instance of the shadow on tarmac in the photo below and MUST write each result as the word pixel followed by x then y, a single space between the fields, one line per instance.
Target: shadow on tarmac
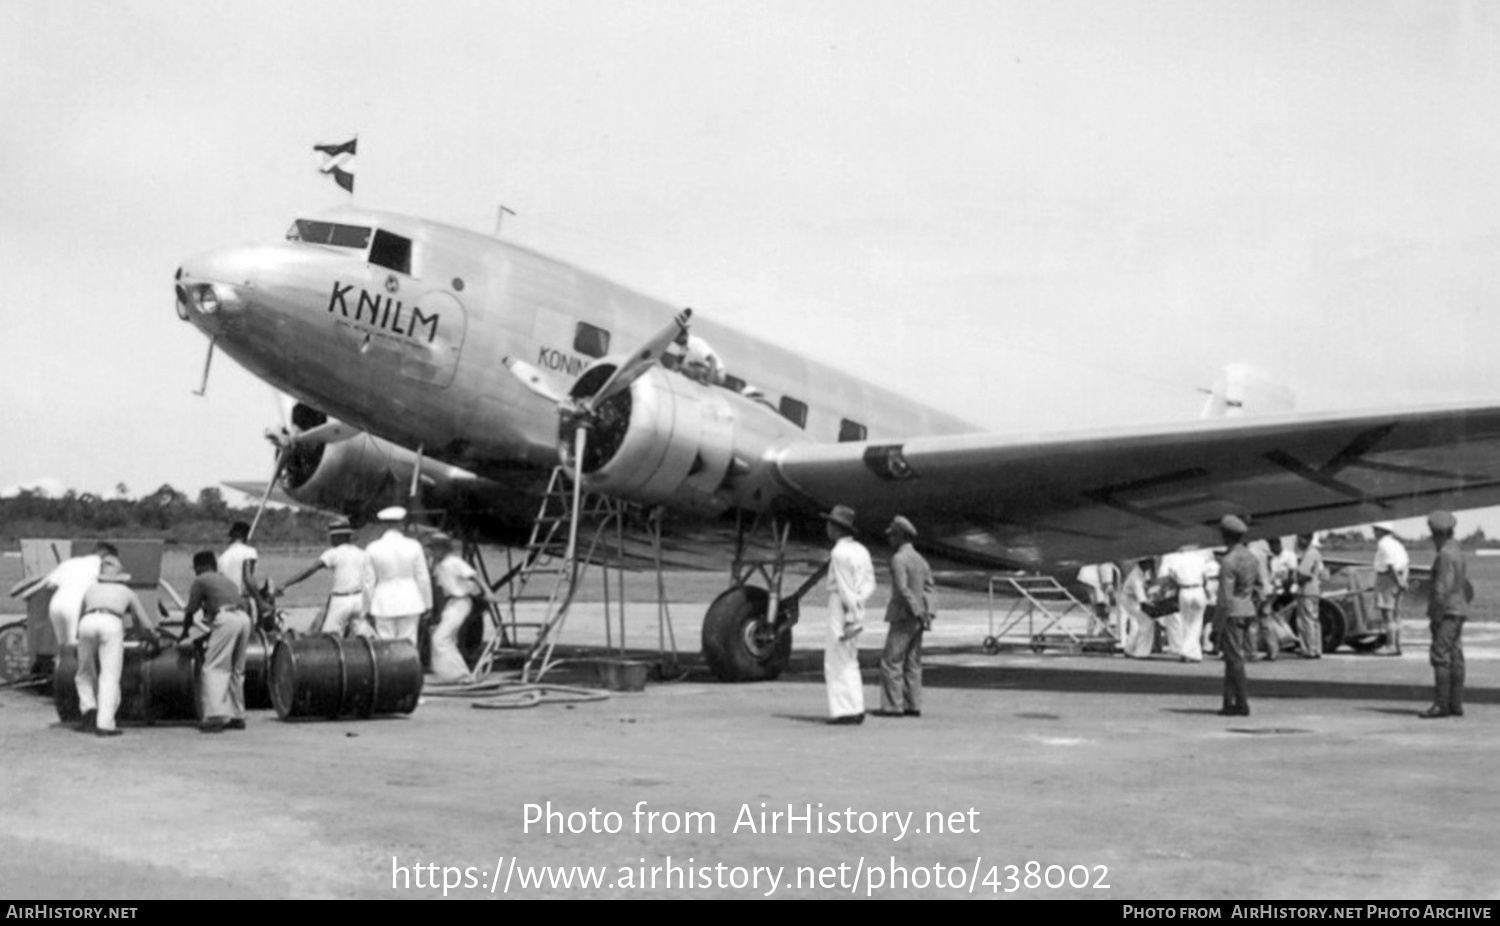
pixel 1118 677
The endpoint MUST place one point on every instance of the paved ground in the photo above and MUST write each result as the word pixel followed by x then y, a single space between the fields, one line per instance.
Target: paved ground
pixel 1116 771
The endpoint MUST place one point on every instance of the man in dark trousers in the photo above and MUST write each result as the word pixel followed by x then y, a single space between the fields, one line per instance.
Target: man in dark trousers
pixel 221 684
pixel 908 615
pixel 1240 596
pixel 1446 609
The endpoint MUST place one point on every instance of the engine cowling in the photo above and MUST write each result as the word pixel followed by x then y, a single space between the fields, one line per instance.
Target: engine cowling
pixel 359 475
pixel 352 476
pixel 669 440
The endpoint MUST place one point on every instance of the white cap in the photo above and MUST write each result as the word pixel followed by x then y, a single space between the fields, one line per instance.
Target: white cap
pixel 1388 526
pixel 394 513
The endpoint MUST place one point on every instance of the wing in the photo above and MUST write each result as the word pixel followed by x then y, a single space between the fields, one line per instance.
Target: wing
pixel 254 490
pixel 1038 501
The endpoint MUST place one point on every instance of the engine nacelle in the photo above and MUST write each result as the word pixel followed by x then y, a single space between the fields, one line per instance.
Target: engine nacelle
pixel 669 440
pixel 359 475
pixel 354 476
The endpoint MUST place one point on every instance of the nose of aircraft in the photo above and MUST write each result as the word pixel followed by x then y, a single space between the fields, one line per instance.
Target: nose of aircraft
pixel 215 285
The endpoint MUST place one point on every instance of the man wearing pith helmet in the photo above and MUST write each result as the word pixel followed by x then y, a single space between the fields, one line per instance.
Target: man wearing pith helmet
pixel 908 614
pixel 1446 609
pixel 1240 594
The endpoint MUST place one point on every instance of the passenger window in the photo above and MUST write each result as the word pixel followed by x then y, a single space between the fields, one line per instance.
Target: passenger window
pixel 591 341
pixel 391 251
pixel 733 383
pixel 851 431
pixel 794 411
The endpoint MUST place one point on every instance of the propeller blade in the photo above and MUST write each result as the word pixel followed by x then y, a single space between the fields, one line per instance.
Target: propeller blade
pixel 533 379
pixel 416 476
pixel 283 404
pixel 330 432
pixel 639 362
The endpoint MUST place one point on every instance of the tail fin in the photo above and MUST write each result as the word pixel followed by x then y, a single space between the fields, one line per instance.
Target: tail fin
pixel 1244 389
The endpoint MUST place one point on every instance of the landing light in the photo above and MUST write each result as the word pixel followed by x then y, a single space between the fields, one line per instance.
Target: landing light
pixel 208 300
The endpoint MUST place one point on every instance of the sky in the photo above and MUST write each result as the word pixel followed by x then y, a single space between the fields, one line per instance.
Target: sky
pixel 1036 215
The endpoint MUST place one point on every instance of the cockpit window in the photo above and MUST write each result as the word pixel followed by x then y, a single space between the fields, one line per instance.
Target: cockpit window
pixel 391 251
pixel 340 236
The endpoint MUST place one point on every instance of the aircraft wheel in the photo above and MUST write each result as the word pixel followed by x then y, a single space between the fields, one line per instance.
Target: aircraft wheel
pixel 1331 618
pixel 991 645
pixel 15 655
pixel 739 644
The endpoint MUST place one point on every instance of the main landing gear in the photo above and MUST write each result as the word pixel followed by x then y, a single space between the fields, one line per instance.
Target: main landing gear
pixel 742 641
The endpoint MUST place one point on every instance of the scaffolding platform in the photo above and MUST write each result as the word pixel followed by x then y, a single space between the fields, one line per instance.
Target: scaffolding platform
pixel 1044 615
pixel 572 532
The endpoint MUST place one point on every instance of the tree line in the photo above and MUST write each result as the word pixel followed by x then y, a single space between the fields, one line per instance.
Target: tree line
pixel 166 514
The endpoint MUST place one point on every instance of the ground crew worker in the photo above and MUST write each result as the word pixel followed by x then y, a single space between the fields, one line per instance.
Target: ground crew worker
pixel 403 586
pixel 353 577
pixel 101 645
pixel 1392 570
pixel 1310 576
pixel 851 582
pixel 1446 610
pixel 909 614
pixel 1140 639
pixel 68 580
pixel 1185 634
pixel 1240 593
pixel 237 563
pixel 461 585
pixel 1103 582
pixel 1211 613
pixel 225 638
pixel 1281 598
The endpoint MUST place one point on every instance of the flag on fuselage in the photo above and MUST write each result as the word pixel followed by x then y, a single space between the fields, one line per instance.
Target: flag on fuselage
pixel 338 162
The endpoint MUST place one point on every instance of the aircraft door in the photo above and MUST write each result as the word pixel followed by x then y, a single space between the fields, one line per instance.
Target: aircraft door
pixel 431 356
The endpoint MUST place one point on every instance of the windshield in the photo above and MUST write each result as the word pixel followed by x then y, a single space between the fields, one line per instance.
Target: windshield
pixel 340 236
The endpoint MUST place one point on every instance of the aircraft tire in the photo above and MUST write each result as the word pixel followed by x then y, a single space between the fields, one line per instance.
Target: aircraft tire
pixel 1331 619
pixel 1367 644
pixel 736 638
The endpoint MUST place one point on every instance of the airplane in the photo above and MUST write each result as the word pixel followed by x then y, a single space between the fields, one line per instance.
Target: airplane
pixel 428 354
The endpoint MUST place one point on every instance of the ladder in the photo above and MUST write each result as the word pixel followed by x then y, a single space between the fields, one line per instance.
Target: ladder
pixel 546 574
pixel 1065 622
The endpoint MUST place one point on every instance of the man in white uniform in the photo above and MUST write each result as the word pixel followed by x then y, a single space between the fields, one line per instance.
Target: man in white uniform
pixel 403 586
pixel 1392 570
pixel 1140 634
pixel 68 580
pixel 851 582
pixel 237 563
pixel 1103 583
pixel 1185 569
pixel 462 587
pixel 353 576
pixel 101 646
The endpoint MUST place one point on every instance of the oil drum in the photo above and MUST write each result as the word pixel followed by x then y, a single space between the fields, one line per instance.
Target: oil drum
pixel 330 677
pixel 163 687
pixel 258 668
